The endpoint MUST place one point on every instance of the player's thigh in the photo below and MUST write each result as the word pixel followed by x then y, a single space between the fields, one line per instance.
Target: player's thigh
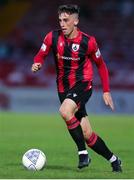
pixel 68 108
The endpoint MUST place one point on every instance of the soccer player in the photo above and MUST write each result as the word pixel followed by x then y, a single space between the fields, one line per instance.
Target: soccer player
pixel 74 52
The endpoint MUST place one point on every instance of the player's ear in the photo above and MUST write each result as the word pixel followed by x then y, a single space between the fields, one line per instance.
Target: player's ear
pixel 76 19
pixel 76 22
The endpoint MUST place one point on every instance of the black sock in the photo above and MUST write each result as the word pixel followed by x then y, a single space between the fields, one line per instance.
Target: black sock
pixel 75 131
pixel 99 146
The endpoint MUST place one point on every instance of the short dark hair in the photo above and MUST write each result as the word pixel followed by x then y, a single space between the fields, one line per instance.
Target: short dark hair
pixel 69 9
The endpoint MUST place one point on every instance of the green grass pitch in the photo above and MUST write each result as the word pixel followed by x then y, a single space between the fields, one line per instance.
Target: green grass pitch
pixel 20 132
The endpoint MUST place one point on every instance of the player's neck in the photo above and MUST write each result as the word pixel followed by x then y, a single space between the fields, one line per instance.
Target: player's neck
pixel 73 34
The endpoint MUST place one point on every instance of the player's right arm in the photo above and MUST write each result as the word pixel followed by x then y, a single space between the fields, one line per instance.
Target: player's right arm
pixel 42 53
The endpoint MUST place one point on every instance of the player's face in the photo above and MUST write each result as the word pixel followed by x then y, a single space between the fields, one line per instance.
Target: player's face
pixel 68 23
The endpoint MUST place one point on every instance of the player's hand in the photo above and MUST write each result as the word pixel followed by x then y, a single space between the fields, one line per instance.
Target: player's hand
pixel 108 99
pixel 36 67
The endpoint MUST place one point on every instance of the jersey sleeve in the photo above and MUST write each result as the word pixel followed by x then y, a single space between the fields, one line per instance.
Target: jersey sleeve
pixel 44 50
pixel 96 56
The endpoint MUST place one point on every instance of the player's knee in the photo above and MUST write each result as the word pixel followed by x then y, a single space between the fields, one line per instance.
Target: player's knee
pixel 62 113
pixel 65 113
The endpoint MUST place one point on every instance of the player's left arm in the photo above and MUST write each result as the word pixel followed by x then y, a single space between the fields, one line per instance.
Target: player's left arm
pixel 103 72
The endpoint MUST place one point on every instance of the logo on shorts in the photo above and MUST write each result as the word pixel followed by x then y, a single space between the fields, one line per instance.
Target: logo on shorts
pixel 75 47
pixel 74 94
pixel 71 94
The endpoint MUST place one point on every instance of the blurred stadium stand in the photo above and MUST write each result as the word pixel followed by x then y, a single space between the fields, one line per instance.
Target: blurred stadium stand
pixel 24 24
pixel 27 22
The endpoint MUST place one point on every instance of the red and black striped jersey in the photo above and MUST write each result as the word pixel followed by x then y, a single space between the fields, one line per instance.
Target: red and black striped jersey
pixel 73 59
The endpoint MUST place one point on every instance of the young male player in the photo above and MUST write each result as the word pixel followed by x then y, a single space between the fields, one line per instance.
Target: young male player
pixel 74 52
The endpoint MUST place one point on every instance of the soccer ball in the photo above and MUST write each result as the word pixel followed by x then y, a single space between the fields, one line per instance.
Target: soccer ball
pixel 34 159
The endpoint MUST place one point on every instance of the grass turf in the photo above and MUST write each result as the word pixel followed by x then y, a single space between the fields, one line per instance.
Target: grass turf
pixel 20 132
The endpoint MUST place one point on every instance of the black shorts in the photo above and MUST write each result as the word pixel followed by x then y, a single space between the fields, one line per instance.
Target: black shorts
pixel 80 94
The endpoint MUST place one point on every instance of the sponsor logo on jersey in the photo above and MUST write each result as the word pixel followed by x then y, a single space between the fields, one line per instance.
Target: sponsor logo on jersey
pixel 75 47
pixel 98 54
pixel 43 47
pixel 67 58
pixel 70 58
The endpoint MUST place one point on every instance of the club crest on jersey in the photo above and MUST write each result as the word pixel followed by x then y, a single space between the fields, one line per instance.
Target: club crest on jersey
pixel 75 47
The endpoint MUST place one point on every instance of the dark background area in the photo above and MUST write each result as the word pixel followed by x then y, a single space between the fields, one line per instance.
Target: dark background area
pixel 111 22
pixel 24 24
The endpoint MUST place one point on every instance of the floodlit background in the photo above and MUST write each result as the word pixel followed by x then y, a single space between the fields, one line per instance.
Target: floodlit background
pixel 23 25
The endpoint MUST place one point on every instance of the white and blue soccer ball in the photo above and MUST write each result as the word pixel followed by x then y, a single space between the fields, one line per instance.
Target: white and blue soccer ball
pixel 34 160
